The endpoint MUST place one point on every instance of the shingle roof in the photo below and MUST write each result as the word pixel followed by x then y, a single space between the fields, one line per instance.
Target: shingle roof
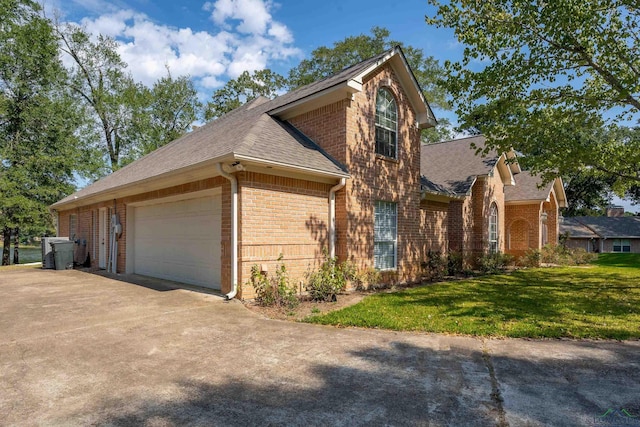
pixel 250 132
pixel 246 131
pixel 576 229
pixel 320 85
pixel 453 166
pixel 526 188
pixel 610 227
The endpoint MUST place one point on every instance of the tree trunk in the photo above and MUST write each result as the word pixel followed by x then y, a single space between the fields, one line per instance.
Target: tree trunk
pixel 16 245
pixel 6 234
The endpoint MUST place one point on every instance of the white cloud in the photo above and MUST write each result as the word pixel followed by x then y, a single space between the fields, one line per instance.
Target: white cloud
pixel 253 15
pixel 246 37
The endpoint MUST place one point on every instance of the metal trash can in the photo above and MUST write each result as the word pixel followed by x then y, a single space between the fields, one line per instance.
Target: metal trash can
pixel 63 254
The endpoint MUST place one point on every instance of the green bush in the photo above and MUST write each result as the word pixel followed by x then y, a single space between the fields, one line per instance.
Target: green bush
pixel 494 263
pixel 580 256
pixel 366 279
pixel 274 290
pixel 557 255
pixel 330 279
pixel 454 263
pixel 531 258
pixel 435 266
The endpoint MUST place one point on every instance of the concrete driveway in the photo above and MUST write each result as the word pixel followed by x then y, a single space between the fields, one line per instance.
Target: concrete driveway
pixel 80 349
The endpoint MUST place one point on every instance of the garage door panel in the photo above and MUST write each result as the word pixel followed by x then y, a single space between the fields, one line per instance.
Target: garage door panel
pixel 179 241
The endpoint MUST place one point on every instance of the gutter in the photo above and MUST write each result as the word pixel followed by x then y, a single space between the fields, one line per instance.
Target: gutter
pixel 332 215
pixel 234 231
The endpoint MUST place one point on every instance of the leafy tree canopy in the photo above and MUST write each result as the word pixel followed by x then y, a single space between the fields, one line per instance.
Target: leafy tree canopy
pixel 246 87
pixel 40 149
pixel 559 81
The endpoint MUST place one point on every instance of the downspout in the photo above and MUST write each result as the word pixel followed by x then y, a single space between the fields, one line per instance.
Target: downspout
pixel 332 216
pixel 234 231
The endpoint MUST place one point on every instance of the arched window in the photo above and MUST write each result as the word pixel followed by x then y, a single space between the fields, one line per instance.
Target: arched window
pixel 493 229
pixel 386 124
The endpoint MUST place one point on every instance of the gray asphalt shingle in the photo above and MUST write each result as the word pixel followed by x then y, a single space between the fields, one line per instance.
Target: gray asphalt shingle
pixel 452 166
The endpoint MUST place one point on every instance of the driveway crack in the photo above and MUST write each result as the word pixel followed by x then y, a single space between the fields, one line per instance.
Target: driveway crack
pixel 496 395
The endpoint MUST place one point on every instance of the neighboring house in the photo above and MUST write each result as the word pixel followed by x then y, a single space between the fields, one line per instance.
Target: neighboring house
pixel 333 164
pixel 532 213
pixel 486 204
pixel 602 233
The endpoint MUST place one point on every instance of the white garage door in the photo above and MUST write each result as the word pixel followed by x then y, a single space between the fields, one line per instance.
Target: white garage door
pixel 179 241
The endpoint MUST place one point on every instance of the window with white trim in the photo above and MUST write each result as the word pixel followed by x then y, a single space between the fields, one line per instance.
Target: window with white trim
pixel 385 251
pixel 386 124
pixel 493 229
pixel 621 245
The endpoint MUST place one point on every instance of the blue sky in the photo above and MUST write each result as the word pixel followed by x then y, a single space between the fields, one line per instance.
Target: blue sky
pixel 217 40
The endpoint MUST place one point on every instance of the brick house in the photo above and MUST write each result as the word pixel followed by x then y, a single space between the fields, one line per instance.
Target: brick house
pixel 618 234
pixel 335 164
pixel 485 204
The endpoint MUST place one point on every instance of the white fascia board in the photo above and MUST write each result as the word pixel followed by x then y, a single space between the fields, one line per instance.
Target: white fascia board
pixel 284 166
pixel 505 172
pixel 319 99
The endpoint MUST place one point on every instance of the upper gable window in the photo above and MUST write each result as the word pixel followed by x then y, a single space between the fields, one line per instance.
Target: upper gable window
pixel 386 124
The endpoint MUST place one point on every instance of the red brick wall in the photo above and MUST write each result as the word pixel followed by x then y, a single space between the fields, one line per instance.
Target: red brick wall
pixel 523 228
pixel 281 216
pixel 346 130
pixel 468 220
pixel 434 226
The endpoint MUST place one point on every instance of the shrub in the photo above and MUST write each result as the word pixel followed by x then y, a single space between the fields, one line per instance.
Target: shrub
pixel 494 263
pixel 580 256
pixel 454 263
pixel 274 290
pixel 435 266
pixel 531 258
pixel 559 255
pixel 330 279
pixel 368 278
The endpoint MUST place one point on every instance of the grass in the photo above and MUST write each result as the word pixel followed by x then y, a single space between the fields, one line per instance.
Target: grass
pixel 596 301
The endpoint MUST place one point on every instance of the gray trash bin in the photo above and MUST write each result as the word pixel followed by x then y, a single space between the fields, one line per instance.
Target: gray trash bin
pixel 47 254
pixel 63 254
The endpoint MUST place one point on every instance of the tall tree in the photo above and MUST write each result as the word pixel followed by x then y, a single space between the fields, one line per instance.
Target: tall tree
pixel 559 81
pixel 588 193
pixel 166 112
pixel 101 82
pixel 246 87
pixel 39 148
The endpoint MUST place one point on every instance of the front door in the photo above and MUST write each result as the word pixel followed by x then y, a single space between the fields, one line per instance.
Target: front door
pixel 102 238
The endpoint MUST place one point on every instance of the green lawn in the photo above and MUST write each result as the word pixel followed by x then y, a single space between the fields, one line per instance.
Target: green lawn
pixel 596 301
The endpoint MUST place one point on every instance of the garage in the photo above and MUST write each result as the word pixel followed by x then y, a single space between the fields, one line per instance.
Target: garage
pixel 178 239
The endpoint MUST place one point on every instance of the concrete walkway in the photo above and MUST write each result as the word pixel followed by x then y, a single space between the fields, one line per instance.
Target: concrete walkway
pixel 80 349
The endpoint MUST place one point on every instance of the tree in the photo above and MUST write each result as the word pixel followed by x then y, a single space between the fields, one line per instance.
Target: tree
pixel 246 87
pixel 39 148
pixel 587 194
pixel 559 81
pixel 166 112
pixel 101 83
